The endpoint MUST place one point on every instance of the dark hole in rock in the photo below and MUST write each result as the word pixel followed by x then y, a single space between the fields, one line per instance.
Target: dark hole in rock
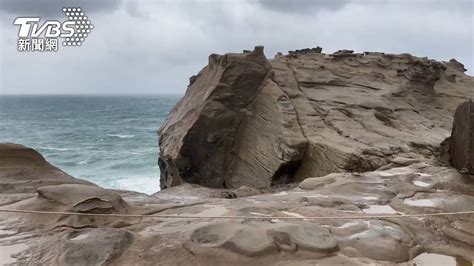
pixel 284 175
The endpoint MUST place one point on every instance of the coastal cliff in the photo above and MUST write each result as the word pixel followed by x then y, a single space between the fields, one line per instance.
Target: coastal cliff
pixel 246 120
pixel 305 159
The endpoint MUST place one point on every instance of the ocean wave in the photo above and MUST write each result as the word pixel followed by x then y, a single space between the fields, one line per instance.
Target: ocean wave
pixel 57 149
pixel 126 165
pixel 147 184
pixel 144 151
pixel 113 138
pixel 121 136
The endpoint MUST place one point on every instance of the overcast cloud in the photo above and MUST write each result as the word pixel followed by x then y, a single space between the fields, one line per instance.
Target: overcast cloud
pixel 145 46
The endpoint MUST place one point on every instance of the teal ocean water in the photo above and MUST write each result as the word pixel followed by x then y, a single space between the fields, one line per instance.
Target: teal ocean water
pixel 111 141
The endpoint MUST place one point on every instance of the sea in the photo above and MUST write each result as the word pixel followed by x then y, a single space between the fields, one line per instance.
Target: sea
pixel 109 140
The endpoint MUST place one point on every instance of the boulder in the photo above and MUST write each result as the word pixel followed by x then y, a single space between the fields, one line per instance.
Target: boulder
pixel 84 198
pixel 198 141
pixel 462 138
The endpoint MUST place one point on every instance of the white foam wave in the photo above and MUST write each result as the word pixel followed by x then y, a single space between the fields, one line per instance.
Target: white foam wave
pixel 142 183
pixel 121 136
pixel 57 149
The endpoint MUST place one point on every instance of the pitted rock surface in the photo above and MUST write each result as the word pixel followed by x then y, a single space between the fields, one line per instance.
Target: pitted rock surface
pixel 260 238
pixel 419 187
pixel 377 240
pixel 304 237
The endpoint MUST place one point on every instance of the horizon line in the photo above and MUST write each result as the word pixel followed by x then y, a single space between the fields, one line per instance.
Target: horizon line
pixel 90 94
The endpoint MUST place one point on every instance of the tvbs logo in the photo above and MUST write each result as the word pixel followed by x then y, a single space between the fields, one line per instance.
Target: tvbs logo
pixel 35 36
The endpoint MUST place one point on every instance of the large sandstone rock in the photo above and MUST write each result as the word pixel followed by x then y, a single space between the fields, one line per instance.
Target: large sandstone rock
pixel 199 138
pixel 246 120
pixel 462 139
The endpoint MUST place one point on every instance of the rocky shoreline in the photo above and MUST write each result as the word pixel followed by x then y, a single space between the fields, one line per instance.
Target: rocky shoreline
pixel 254 152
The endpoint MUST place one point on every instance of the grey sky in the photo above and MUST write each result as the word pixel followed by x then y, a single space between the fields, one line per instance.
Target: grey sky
pixel 145 46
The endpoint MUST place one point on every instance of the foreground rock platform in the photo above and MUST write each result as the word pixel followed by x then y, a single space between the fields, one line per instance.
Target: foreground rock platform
pixel 249 121
pixel 419 186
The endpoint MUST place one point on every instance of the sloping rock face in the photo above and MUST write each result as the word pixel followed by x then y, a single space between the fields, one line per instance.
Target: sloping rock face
pixel 198 138
pixel 29 182
pixel 462 139
pixel 23 170
pixel 246 120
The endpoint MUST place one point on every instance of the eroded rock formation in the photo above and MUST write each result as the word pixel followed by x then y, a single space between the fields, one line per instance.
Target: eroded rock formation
pixel 261 236
pixel 462 139
pixel 201 131
pixel 246 120
pixel 246 123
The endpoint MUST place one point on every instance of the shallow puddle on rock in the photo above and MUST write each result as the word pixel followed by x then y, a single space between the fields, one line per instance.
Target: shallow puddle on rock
pixel 259 214
pixel 419 202
pixel 294 214
pixel 215 211
pixel 424 175
pixel 317 196
pixel 432 259
pixel 347 225
pixel 171 227
pixel 282 193
pixel 393 172
pixel 80 237
pixel 421 184
pixel 253 201
pixel 380 209
pixel 6 252
pixel 384 174
pixel 370 198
